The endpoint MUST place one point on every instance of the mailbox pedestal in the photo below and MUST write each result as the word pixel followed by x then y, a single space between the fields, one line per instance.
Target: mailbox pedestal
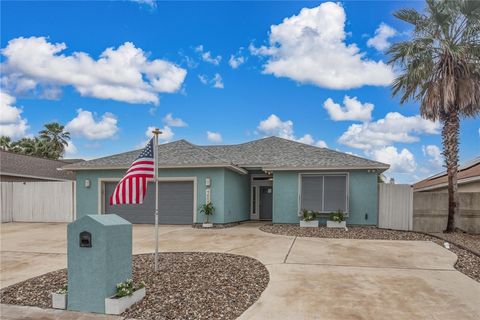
pixel 99 257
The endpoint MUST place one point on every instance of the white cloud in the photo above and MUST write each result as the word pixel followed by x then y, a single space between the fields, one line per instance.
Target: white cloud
pixel 207 56
pixel 215 137
pixel 203 78
pixel 381 37
pixel 166 136
pixel 384 132
pixel 274 126
pixel 169 120
pixel 321 144
pixel 435 155
pixel 85 125
pixel 400 162
pixel 123 74
pixel 150 3
pixel 70 149
pixel 237 59
pixel 352 109
pixel 217 81
pixel 11 122
pixel 310 48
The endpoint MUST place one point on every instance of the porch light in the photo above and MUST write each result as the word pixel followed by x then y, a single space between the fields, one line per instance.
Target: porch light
pixel 208 182
pixel 87 183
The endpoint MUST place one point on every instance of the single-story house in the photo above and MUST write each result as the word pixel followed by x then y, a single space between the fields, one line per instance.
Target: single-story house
pixel 16 167
pixel 266 179
pixel 468 179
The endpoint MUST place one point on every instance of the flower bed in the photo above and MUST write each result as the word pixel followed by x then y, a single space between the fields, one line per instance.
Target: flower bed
pixel 187 286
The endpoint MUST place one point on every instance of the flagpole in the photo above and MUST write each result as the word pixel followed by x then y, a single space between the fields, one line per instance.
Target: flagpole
pixel 156 132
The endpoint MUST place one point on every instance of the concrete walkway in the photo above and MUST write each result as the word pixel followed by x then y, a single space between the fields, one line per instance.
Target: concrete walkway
pixel 310 278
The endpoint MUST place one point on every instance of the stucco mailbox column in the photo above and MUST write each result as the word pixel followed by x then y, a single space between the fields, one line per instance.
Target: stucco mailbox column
pixel 99 257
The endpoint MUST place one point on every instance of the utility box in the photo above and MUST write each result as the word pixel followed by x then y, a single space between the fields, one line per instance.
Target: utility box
pixel 99 257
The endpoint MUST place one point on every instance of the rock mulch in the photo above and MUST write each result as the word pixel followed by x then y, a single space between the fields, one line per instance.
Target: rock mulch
pixel 468 261
pixel 187 286
pixel 469 241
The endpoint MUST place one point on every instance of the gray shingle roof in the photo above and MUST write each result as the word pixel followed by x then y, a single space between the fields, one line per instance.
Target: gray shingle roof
pixel 174 154
pixel 23 166
pixel 268 153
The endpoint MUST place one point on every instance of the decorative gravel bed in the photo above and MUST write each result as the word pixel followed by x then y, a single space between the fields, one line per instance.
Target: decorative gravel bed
pixel 468 261
pixel 187 286
pixel 216 226
pixel 469 241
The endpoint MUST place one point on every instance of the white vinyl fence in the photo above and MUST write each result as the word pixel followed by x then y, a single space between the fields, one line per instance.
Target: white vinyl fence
pixel 395 206
pixel 37 201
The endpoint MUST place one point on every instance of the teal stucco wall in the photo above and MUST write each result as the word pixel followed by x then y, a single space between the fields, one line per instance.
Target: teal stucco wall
pixel 87 198
pixel 94 272
pixel 237 197
pixel 363 197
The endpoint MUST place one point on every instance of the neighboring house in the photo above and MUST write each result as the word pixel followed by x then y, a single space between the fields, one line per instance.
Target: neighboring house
pixel 266 179
pixel 22 168
pixel 468 179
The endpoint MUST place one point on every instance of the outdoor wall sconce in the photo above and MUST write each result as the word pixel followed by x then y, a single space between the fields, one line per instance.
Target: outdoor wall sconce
pixel 208 182
pixel 87 183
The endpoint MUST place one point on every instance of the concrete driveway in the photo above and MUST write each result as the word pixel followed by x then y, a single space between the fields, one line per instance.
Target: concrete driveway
pixel 309 278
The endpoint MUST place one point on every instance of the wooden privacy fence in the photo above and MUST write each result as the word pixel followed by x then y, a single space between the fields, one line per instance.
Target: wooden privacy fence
pixel 42 201
pixel 395 206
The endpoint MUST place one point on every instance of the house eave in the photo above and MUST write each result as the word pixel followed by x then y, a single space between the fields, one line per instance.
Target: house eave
pixel 231 167
pixel 377 169
pixel 445 184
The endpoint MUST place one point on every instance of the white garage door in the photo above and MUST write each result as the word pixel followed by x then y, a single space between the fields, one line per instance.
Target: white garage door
pixel 175 203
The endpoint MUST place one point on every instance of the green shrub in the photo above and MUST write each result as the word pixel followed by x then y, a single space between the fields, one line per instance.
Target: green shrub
pixel 337 216
pixel 307 215
pixel 207 209
pixel 63 290
pixel 127 288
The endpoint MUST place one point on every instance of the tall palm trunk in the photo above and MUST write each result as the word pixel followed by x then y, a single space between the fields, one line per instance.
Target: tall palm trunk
pixel 450 134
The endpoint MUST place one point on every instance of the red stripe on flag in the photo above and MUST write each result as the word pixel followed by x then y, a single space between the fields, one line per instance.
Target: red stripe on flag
pixel 130 190
pixel 137 190
pixel 117 193
pixel 123 192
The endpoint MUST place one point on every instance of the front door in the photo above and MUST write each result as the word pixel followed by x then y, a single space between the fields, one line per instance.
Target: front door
pixel 265 202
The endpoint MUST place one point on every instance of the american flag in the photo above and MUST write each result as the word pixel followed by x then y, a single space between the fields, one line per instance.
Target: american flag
pixel 133 186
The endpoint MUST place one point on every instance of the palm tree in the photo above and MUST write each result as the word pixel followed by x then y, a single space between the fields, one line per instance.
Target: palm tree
pixel 5 143
pixel 56 136
pixel 440 68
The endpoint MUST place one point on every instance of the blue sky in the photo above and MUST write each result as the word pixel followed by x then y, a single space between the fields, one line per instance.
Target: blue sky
pixel 216 72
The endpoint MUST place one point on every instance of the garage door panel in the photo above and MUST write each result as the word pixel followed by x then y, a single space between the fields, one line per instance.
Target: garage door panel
pixel 175 204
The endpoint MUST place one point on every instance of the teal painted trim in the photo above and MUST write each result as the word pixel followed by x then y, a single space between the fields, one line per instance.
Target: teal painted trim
pixel 237 197
pixel 363 197
pixel 94 272
pixel 87 198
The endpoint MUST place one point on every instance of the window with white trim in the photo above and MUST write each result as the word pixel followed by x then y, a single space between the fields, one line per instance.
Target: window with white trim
pixel 324 193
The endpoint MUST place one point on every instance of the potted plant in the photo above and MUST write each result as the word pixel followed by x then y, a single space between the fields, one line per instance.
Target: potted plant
pixel 336 220
pixel 207 209
pixel 308 219
pixel 59 298
pixel 127 294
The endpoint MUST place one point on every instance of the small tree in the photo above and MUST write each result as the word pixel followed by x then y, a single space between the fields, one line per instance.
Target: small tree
pixel 207 209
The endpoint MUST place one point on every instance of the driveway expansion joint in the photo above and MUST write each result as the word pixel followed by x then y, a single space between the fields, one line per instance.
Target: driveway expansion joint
pixel 290 249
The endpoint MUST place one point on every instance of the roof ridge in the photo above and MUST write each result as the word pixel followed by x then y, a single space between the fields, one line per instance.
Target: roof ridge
pixel 205 151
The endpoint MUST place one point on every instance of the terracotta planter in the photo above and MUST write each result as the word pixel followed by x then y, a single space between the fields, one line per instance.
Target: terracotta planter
pixel 309 224
pixel 59 300
pixel 114 305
